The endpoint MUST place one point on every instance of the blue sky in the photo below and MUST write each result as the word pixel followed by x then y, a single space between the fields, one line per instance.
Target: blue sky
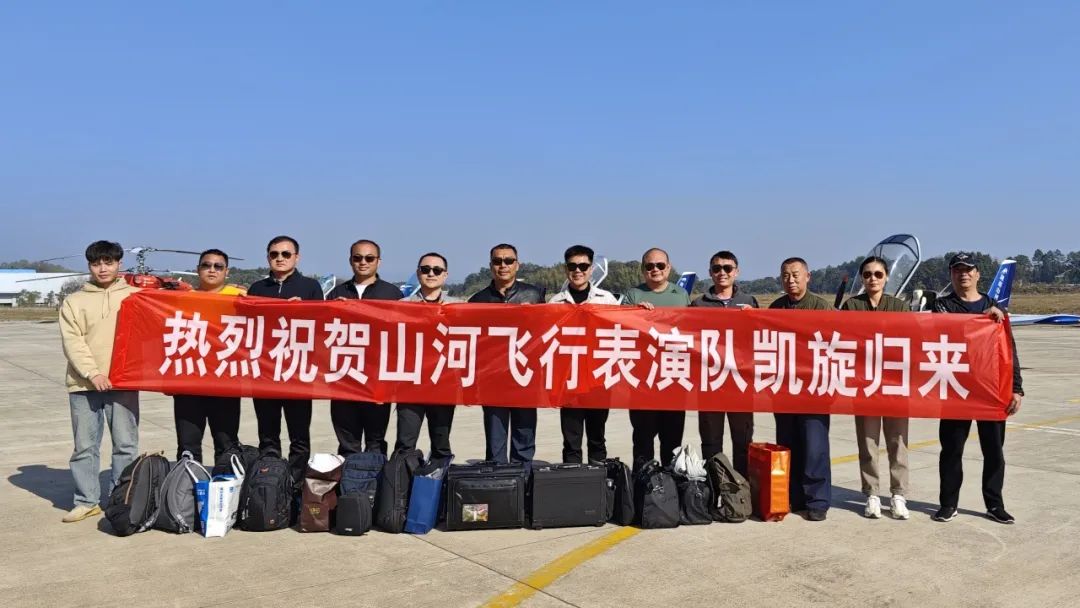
pixel 771 129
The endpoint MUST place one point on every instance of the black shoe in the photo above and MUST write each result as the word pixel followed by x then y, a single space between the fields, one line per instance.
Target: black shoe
pixel 816 514
pixel 945 514
pixel 1000 515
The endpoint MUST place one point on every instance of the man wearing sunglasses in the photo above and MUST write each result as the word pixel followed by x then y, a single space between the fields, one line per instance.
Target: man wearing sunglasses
pixel 577 421
pixel 286 283
pixel 506 289
pixel 191 413
pixel 967 299
pixel 361 425
pixel 647 424
pixel 806 435
pixel 724 293
pixel 432 272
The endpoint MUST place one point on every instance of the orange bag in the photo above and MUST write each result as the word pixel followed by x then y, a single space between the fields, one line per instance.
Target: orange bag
pixel 770 469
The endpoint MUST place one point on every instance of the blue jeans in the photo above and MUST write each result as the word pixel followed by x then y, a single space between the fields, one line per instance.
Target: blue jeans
pixel 90 410
pixel 497 422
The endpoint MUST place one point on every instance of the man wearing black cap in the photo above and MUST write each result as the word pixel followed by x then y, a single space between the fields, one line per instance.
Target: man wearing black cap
pixel 966 298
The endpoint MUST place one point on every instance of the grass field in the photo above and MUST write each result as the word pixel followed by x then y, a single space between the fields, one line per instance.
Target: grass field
pixel 1023 303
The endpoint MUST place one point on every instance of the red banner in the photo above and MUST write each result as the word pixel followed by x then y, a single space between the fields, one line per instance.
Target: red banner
pixel 558 355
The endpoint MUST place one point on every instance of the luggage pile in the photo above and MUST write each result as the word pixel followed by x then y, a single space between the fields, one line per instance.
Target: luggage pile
pixel 405 493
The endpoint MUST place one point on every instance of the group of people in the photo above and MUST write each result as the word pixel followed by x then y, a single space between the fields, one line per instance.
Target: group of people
pixel 88 322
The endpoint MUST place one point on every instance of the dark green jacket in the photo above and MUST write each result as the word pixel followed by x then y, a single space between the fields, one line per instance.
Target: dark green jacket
pixel 887 304
pixel 808 302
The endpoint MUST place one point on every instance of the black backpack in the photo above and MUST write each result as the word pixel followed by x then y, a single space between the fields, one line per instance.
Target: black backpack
pixel 179 511
pixel 695 501
pixel 247 455
pixel 353 514
pixel 392 499
pixel 361 474
pixel 267 495
pixel 731 492
pixel 620 492
pixel 134 502
pixel 656 497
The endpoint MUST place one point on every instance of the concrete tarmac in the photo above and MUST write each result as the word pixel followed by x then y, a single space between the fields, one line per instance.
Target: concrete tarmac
pixel 845 561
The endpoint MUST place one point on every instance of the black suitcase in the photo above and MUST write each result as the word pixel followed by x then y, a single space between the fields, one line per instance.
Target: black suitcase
pixel 564 495
pixel 485 496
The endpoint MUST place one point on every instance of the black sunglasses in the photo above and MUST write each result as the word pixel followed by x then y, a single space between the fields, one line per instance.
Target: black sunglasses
pixel 435 270
pixel 656 265
pixel 273 255
pixel 877 274
pixel 727 268
pixel 214 266
pixel 582 267
pixel 369 258
pixel 503 261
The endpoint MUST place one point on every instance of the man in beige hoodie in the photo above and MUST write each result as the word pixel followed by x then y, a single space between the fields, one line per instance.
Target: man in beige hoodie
pixel 87 326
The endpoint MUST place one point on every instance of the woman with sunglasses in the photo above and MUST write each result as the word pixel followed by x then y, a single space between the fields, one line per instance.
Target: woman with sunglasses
pixel 875 274
pixel 191 413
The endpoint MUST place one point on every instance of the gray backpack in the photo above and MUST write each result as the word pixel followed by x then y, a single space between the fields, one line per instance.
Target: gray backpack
pixel 178 511
pixel 731 491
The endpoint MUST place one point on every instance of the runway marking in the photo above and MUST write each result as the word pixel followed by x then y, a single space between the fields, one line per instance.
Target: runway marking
pixel 553 570
pixel 562 565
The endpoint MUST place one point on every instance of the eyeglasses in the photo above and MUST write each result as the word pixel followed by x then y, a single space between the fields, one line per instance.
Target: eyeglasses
pixel 727 268
pixel 581 267
pixel 273 255
pixel 357 258
pixel 876 274
pixel 435 270
pixel 214 266
pixel 655 266
pixel 503 261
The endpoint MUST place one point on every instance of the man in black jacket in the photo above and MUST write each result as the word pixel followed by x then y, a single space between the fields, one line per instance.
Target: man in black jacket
pixel 285 282
pixel 966 298
pixel 506 289
pixel 724 293
pixel 357 422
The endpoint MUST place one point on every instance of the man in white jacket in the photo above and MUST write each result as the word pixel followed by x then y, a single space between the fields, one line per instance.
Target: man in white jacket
pixel 87 325
pixel 576 421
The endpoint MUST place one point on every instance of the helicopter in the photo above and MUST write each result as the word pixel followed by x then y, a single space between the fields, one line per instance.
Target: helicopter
pixel 141 275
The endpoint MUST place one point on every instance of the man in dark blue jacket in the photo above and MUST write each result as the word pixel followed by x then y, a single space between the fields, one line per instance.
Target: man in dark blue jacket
pixel 285 282
pixel 506 289
pixel 966 298
pixel 361 425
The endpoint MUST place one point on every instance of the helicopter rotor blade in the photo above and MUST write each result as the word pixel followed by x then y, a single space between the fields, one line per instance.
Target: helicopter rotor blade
pixel 63 276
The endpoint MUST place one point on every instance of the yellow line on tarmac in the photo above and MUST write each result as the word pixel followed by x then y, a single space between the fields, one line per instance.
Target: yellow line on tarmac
pixel 553 570
pixel 562 565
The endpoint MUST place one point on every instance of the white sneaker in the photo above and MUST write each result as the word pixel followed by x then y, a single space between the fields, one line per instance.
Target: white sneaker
pixel 899 507
pixel 873 507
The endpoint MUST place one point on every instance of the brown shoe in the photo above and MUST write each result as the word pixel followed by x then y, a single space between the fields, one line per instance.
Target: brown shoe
pixel 81 512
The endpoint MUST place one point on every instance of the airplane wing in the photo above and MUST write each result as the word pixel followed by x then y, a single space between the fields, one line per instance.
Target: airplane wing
pixel 1044 319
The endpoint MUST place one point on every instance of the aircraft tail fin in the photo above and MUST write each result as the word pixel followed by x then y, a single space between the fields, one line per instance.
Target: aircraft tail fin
pixel 687 280
pixel 1001 287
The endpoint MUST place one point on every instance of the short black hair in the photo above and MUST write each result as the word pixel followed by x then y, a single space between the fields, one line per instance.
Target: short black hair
pixel 575 250
pixel 282 239
pixel 873 259
pixel 503 246
pixel 378 250
pixel 795 260
pixel 214 252
pixel 652 249
pixel 104 250
pixel 724 255
pixel 433 254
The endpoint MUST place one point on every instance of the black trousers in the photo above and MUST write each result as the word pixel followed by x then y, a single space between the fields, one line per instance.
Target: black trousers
pixel 711 427
pixel 807 436
pixel 953 435
pixel 647 424
pixel 579 421
pixel 192 412
pixel 360 426
pixel 298 419
pixel 439 420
